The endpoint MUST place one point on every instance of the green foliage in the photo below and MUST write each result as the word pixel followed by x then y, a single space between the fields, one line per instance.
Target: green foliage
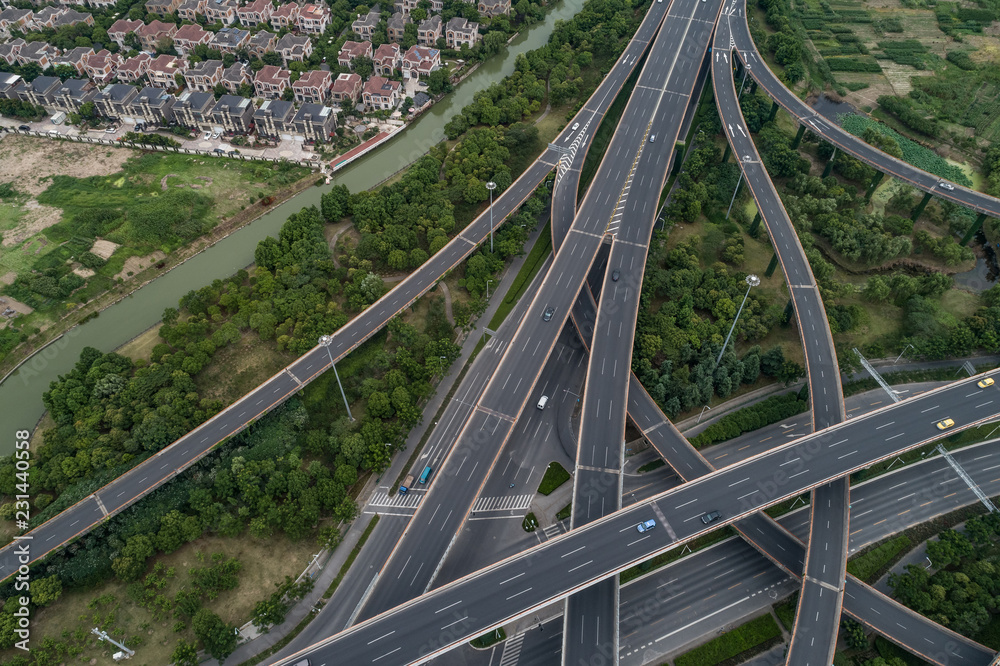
pixel 946 248
pixel 149 139
pixel 848 64
pixel 223 574
pixel 873 562
pixel 185 654
pixel 272 611
pixel 13 108
pixel 904 109
pixel 555 476
pixel 854 634
pixel 218 638
pixel 774 409
pixel 913 153
pixel 45 591
pixel 761 631
pixel 962 60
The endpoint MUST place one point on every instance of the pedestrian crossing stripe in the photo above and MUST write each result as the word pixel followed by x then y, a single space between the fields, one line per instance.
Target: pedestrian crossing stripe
pixel 504 503
pixel 407 501
pixel 512 650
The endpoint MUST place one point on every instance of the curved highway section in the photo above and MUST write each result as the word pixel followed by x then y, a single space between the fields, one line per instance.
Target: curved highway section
pixel 814 636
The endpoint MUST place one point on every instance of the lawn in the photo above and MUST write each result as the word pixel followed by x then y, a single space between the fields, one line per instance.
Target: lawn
pixel 754 634
pixel 555 476
pixel 265 562
pixel 872 563
pixel 532 264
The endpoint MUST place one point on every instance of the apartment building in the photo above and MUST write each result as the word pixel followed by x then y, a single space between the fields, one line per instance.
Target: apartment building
pixel 153 33
pixel 102 66
pixel 230 40
pixel 253 14
pixel 314 19
pixel 134 68
pixel 460 31
pixel 262 42
pixel 152 107
pixel 420 61
pixel 285 16
pixel 364 26
pixel 73 94
pixel 293 48
pixel 194 110
pixel 235 76
pixel 113 101
pixel 122 27
pixel 162 71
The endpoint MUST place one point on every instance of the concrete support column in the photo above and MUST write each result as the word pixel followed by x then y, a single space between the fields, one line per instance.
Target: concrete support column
pixel 773 112
pixel 828 169
pixel 976 226
pixel 920 207
pixel 798 137
pixel 872 186
pixel 754 227
pixel 771 266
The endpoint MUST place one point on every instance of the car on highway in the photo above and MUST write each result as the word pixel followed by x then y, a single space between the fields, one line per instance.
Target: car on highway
pixel 944 425
pixel 652 139
pixel 946 186
pixel 711 517
pixel 986 382
pixel 547 315
pixel 615 274
pixel 576 126
pixel 646 525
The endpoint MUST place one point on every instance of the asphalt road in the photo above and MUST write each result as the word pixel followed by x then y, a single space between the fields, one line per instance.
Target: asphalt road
pixel 928 182
pixel 592 614
pixel 814 636
pixel 172 460
pixel 413 567
pixel 517 586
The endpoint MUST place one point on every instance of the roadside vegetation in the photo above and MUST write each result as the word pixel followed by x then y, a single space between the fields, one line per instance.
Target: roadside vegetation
pixel 744 641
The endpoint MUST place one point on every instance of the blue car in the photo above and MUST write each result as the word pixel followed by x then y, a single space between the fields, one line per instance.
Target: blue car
pixel 646 525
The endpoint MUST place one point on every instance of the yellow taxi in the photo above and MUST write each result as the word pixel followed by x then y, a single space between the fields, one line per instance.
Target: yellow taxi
pixel 986 382
pixel 944 425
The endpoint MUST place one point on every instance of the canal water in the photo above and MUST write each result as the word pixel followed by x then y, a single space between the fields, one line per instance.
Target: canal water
pixel 21 394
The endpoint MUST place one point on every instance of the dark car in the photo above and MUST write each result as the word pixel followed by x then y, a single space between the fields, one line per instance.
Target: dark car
pixel 615 274
pixel 711 517
pixel 24 128
pixel 220 151
pixel 547 315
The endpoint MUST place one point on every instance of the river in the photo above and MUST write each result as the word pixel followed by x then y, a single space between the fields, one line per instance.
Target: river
pixel 21 394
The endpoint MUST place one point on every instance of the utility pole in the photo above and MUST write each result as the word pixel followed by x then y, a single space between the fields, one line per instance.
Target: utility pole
pixel 491 186
pixel 325 340
pixel 118 656
pixel 752 281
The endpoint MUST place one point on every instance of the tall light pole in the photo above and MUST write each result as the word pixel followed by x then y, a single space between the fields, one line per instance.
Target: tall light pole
pixel 325 340
pixel 752 281
pixel 488 289
pixel 491 186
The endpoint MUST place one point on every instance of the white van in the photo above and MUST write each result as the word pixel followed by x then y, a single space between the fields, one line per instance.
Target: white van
pixel 544 400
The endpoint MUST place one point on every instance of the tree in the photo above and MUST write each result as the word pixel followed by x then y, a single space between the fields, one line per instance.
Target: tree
pixel 363 66
pixel 185 654
pixel 46 590
pixel 854 634
pixel 132 561
pixel 218 638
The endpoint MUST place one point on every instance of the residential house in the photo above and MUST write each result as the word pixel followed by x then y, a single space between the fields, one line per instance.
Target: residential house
pixel 162 7
pixel 42 54
pixel 75 58
pixel 204 76
pixel 194 110
pixel 420 61
pixel 313 86
pixel 113 101
pixel 493 7
pixel 293 47
pixel 364 26
pixel 122 27
pixel 261 43
pixel 351 50
pixel 404 7
pixel 235 76
pixel 153 33
pixel 460 31
pixel 46 17
pixel 381 93
pixel 41 91
pixel 396 28
pixel 230 40
pixel 100 4
pixel 221 11
pixel 134 68
pixel 273 118
pixel 314 19
pixel 102 66
pixel 233 114
pixel 437 6
pixel 162 71
pixel 11 85
pixel 73 17
pixel 285 16
pixel 190 9
pixel 153 106
pixel 73 94
pixel 429 31
pixel 346 89
pixel 271 81
pixel 11 18
pixel 189 36
pixel 387 59
pixel 315 122
pixel 253 14
pixel 9 51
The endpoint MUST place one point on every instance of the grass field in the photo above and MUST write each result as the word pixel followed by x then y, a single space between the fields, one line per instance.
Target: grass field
pixel 265 562
pixel 555 476
pixel 759 632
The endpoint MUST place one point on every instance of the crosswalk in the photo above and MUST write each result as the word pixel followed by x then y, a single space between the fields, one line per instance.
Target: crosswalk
pixel 512 650
pixel 408 501
pixel 504 503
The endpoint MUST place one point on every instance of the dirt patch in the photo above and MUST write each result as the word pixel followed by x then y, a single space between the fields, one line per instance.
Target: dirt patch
pixel 84 272
pixel 36 219
pixel 104 248
pixel 9 277
pixel 43 158
pixel 8 302
pixel 134 265
pixel 163 181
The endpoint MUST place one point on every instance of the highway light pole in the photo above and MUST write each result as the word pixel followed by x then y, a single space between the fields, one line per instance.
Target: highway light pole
pixel 325 340
pixel 901 354
pixel 491 186
pixel 488 289
pixel 752 281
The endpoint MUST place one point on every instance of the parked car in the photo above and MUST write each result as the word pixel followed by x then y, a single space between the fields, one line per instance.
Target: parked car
pixel 216 135
pixel 208 135
pixel 111 129
pixel 220 151
pixel 24 128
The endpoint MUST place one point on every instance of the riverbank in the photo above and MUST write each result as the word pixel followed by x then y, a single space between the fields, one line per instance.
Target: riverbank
pixel 93 308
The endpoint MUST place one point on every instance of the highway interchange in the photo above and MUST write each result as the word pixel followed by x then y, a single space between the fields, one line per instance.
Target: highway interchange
pixel 657 102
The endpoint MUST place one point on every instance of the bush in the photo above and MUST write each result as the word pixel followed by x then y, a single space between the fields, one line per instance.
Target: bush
pixel 774 409
pixel 870 564
pixel 745 637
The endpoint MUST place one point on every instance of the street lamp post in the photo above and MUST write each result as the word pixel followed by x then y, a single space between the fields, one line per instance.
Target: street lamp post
pixel 491 186
pixel 325 340
pixel 488 289
pixel 901 354
pixel 752 281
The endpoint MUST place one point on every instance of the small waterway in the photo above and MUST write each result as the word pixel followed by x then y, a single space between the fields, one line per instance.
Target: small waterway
pixel 984 274
pixel 21 394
